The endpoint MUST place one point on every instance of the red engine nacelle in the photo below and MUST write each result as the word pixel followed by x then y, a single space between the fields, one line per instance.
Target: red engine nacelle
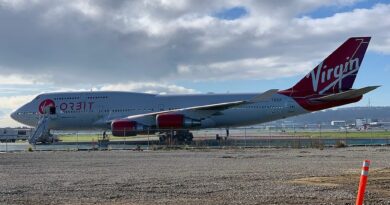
pixel 122 128
pixel 175 121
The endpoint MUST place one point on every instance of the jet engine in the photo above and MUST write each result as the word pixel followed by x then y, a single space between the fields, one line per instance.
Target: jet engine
pixel 175 121
pixel 124 127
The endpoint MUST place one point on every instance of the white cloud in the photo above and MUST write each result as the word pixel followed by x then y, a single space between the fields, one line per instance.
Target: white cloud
pixel 251 68
pixel 358 20
pixel 13 4
pixel 87 8
pixel 6 121
pixel 9 104
pixel 13 102
pixel 122 41
pixel 20 79
pixel 148 87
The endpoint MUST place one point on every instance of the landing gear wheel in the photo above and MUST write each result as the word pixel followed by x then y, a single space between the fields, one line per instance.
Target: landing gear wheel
pixel 162 138
pixel 184 137
pixel 176 137
pixel 189 138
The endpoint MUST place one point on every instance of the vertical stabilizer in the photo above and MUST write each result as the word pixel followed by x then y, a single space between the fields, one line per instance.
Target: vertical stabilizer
pixel 334 74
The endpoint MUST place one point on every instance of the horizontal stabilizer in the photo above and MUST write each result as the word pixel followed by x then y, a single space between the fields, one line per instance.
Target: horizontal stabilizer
pixel 350 94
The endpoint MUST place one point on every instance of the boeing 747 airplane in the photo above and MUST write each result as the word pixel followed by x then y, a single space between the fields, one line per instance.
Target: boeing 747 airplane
pixel 126 113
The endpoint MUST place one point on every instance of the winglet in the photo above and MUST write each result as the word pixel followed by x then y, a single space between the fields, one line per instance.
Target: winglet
pixel 264 96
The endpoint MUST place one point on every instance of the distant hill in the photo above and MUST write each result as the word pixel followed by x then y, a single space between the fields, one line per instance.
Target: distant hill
pixel 349 114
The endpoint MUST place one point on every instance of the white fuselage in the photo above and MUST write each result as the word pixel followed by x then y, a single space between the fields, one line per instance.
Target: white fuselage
pixel 92 110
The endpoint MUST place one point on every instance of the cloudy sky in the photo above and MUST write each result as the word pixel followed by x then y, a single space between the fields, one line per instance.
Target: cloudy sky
pixel 181 46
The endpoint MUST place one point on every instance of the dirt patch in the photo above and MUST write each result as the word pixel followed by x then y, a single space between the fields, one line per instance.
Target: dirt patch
pixel 378 181
pixel 214 176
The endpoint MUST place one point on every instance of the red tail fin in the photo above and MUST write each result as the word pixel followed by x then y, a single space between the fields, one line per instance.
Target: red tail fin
pixel 336 73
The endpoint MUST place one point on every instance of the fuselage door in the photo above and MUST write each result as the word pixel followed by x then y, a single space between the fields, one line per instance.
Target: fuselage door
pixel 290 106
pixel 50 110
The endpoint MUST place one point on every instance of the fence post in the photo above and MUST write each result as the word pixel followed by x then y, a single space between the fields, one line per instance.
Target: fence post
pixel 148 137
pixel 245 137
pixel 124 137
pixel 269 139
pixel 77 140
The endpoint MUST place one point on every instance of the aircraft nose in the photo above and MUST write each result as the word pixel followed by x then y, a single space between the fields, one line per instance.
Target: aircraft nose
pixel 13 115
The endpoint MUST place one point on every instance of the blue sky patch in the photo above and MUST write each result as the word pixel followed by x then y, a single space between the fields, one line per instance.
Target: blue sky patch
pixel 328 11
pixel 231 13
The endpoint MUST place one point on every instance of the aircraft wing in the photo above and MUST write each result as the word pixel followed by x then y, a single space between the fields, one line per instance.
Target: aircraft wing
pixel 222 106
pixel 204 111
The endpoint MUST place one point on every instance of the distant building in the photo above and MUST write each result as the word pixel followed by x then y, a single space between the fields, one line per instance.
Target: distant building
pixel 338 123
pixel 361 122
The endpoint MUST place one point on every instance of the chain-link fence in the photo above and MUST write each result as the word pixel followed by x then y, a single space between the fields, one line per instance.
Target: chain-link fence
pixel 209 138
pixel 237 137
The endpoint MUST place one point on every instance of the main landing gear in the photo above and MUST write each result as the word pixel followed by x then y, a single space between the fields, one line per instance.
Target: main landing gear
pixel 176 137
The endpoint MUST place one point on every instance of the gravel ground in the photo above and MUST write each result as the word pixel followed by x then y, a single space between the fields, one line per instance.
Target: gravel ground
pixel 226 176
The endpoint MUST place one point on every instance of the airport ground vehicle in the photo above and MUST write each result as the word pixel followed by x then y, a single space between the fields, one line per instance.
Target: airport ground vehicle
pixel 14 134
